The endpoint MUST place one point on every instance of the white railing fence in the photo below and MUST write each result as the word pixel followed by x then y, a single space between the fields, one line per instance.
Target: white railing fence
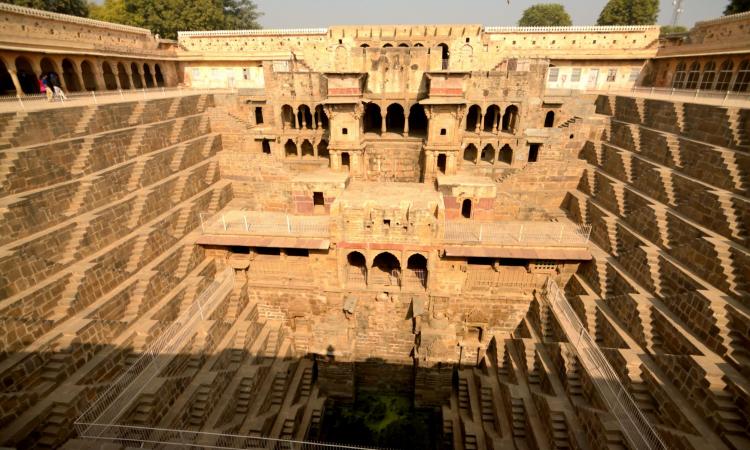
pixel 22 102
pixel 109 406
pixel 658 92
pixel 486 279
pixel 511 233
pixel 635 427
pixel 277 225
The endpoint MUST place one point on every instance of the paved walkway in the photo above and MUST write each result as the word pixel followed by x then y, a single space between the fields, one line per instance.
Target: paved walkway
pixel 37 102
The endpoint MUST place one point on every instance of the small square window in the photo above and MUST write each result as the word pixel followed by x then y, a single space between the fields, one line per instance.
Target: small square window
pixel 554 72
pixel 387 222
pixel 468 40
pixel 318 199
pixel 611 75
pixel 575 77
pixel 344 131
pixel 341 41
pixel 443 132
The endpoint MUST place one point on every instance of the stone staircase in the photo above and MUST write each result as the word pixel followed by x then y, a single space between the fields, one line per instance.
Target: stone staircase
pixel 78 200
pixel 85 121
pixel 61 310
pixel 81 162
pixel 11 128
pixel 518 417
pixel 569 122
pixel 136 117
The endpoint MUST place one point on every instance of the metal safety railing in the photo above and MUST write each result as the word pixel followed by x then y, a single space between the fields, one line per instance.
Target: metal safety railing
pixel 110 406
pixel 517 233
pixel 265 224
pixel 486 279
pixel 38 100
pixel 634 425
pixel 714 96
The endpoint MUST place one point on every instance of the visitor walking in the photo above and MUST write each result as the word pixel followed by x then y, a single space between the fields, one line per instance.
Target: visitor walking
pixel 59 93
pixel 45 87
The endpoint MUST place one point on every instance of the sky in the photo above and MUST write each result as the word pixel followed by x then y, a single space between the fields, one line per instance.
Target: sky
pixel 322 13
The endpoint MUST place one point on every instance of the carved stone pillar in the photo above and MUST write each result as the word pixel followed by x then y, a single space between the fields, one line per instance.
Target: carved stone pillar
pixel 478 126
pixel 16 83
pixel 383 127
pixel 406 126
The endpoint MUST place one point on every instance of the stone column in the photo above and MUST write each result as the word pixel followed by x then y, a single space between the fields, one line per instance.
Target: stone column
pixel 406 125
pixel 316 118
pixel 383 128
pixel 16 83
pixel 116 73
pixel 478 127
pixel 101 85
pixel 497 123
pixel 303 119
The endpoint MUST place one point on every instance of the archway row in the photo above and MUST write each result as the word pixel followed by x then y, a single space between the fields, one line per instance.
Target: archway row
pixel 492 119
pixel 302 117
pixel 395 120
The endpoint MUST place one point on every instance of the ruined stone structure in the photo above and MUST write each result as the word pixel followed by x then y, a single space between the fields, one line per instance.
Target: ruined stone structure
pixel 453 215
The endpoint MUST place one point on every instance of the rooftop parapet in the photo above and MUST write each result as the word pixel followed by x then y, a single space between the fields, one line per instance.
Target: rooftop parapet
pixel 725 35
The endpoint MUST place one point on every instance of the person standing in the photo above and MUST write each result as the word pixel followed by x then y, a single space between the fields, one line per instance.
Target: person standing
pixel 59 92
pixel 45 87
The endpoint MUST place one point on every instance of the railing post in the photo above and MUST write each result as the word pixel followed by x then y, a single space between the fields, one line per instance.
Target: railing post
pixel 288 225
pixel 244 217
pixel 93 94
pixel 21 102
pixel 480 232
pixel 224 222
pixel 520 234
pixel 200 216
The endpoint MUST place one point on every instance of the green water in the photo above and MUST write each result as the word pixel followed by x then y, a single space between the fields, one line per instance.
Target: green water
pixel 385 420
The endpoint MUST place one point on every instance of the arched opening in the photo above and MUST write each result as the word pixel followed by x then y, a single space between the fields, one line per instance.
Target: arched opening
pixel 266 146
pixel 287 117
pixel 365 46
pixel 323 149
pixel 743 77
pixel 506 155
pixel 372 119
pixel 290 149
pixel 403 45
pixel 492 118
pixel 394 118
pixel 345 161
pixel 416 270
pixel 110 83
pixel 322 117
pixel 87 73
pixel 693 76
pixel 488 154
pixel 356 268
pixel 549 119
pixel 386 270
pixel 388 46
pixel 123 76
pixel 6 81
pixel 148 78
pixel 466 209
pixel 304 117
pixel 472 118
pixel 48 68
pixel 26 76
pixel 510 119
pixel 70 76
pixel 678 81
pixel 159 76
pixel 709 75
pixel 418 44
pixel 725 76
pixel 307 149
pixel 137 81
pixel 442 163
pixel 258 112
pixel 417 121
pixel 470 153
pixel 445 54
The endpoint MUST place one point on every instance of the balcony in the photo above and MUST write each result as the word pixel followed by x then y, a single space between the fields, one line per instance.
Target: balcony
pixel 264 229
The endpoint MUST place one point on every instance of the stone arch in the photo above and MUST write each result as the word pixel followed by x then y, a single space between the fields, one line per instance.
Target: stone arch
pixel 506 155
pixel 287 117
pixel 364 46
pixel 137 81
pixel 290 149
pixel 488 154
pixel 418 44
pixel 466 208
pixel 467 50
pixel 492 118
pixel 266 146
pixel 323 149
pixel 725 75
pixel 403 45
pixel 70 76
pixel 708 76
pixel 394 118
pixel 444 52
pixel 122 74
pixel 87 74
pixel 470 153
pixel 549 119
pixel 48 67
pixel 6 81
pixel 510 119
pixel 322 117
pixel 372 119
pixel 110 83
pixel 678 80
pixel 418 121
pixel 472 118
pixel 307 149
pixel 388 45
pixel 693 75
pixel 147 76
pixel 158 75
pixel 416 269
pixel 742 81
pixel 386 270
pixel 304 117
pixel 356 268
pixel 26 76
